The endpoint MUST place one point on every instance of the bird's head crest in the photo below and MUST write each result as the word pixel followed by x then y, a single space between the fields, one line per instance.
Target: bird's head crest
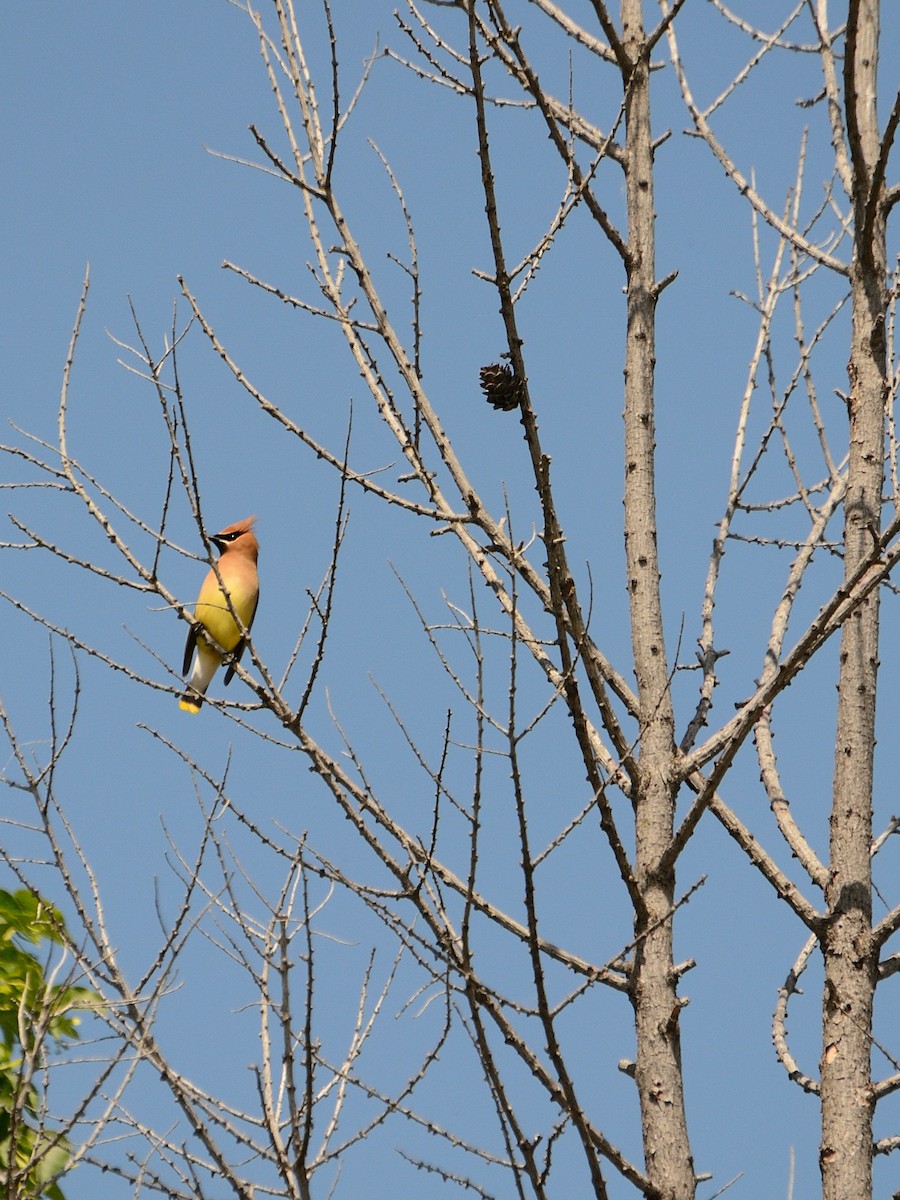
pixel 240 536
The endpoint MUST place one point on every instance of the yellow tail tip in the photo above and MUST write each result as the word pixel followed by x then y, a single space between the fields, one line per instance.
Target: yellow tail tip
pixel 190 704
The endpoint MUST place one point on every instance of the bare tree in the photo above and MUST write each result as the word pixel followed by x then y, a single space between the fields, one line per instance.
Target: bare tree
pixel 656 758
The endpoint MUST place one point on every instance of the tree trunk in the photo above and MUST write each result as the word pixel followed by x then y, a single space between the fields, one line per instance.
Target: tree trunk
pixel 851 959
pixel 658 1072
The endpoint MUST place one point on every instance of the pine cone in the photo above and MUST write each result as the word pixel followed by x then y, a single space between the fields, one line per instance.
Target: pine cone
pixel 502 387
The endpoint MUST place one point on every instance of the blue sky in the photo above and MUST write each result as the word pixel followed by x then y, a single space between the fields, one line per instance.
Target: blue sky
pixel 112 114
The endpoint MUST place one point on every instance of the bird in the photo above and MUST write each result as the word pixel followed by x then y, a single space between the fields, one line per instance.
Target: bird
pixel 215 611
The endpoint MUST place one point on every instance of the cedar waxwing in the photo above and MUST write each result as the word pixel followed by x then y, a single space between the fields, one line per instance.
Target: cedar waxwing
pixel 238 550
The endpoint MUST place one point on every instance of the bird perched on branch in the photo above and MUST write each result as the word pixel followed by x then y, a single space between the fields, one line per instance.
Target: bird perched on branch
pixel 215 611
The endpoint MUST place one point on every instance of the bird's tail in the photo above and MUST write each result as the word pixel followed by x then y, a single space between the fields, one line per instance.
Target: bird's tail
pixel 205 666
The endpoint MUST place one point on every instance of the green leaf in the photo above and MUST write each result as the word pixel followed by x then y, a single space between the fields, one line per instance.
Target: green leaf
pixel 34 1009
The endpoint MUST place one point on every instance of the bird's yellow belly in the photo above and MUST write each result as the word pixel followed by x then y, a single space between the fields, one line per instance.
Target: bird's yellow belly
pixel 215 616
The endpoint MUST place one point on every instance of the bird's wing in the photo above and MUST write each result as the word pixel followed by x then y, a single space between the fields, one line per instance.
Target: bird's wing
pixel 238 651
pixel 189 647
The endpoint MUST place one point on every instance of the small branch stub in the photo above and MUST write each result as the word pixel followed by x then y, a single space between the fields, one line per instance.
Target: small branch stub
pixel 501 386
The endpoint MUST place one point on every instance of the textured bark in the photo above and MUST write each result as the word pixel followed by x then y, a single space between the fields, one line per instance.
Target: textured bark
pixel 658 1074
pixel 847 944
